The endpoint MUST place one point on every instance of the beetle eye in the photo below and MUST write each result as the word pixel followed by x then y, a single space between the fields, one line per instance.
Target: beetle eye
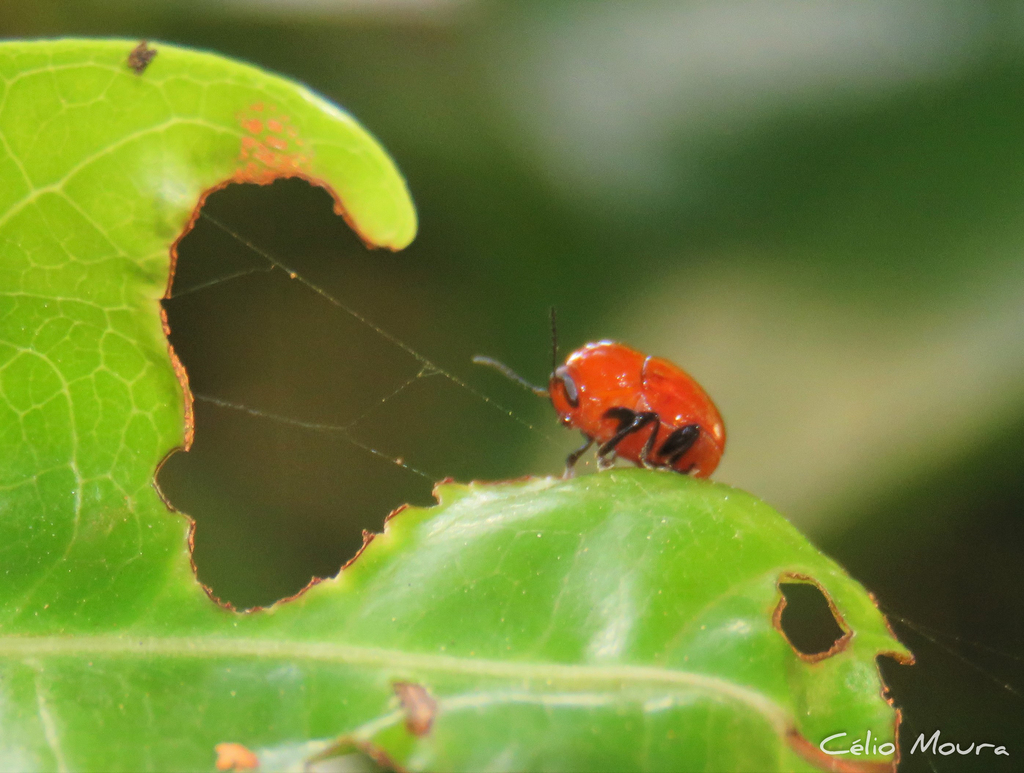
pixel 571 392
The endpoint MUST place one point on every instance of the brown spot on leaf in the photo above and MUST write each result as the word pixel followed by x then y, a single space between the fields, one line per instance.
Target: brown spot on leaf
pixel 420 707
pixel 234 756
pixel 814 628
pixel 140 57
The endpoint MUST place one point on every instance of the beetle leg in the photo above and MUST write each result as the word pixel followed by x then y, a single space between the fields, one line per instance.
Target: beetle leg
pixel 624 416
pixel 679 442
pixel 645 455
pixel 571 459
pixel 629 422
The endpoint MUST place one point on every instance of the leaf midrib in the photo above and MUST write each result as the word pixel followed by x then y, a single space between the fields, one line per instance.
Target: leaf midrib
pixel 616 676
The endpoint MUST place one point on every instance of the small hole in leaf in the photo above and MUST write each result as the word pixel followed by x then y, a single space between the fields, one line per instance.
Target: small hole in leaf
pixel 807 621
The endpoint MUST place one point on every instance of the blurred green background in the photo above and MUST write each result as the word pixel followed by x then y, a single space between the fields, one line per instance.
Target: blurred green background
pixel 816 209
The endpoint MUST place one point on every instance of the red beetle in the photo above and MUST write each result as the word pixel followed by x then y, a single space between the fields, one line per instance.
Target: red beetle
pixel 642 408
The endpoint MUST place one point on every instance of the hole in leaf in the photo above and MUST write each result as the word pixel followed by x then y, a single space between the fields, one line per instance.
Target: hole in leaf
pixel 276 503
pixel 294 455
pixel 806 619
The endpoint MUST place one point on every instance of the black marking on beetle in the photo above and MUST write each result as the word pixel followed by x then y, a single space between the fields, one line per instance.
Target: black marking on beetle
pixel 679 442
pixel 624 416
pixel 629 422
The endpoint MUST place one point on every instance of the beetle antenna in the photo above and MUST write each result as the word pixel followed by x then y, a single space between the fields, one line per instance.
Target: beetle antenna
pixel 554 340
pixel 510 374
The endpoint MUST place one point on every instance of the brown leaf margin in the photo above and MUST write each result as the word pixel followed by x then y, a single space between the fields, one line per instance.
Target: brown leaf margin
pixel 796 741
pixel 253 174
pixel 839 645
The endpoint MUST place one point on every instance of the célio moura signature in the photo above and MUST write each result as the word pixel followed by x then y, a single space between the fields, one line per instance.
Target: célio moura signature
pixel 859 747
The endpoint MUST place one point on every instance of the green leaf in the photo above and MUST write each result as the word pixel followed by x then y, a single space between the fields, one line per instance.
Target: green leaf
pixel 625 620
pixel 101 171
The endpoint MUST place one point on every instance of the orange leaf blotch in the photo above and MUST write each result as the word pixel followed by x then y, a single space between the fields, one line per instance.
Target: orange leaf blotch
pixel 270 148
pixel 265 155
pixel 234 756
